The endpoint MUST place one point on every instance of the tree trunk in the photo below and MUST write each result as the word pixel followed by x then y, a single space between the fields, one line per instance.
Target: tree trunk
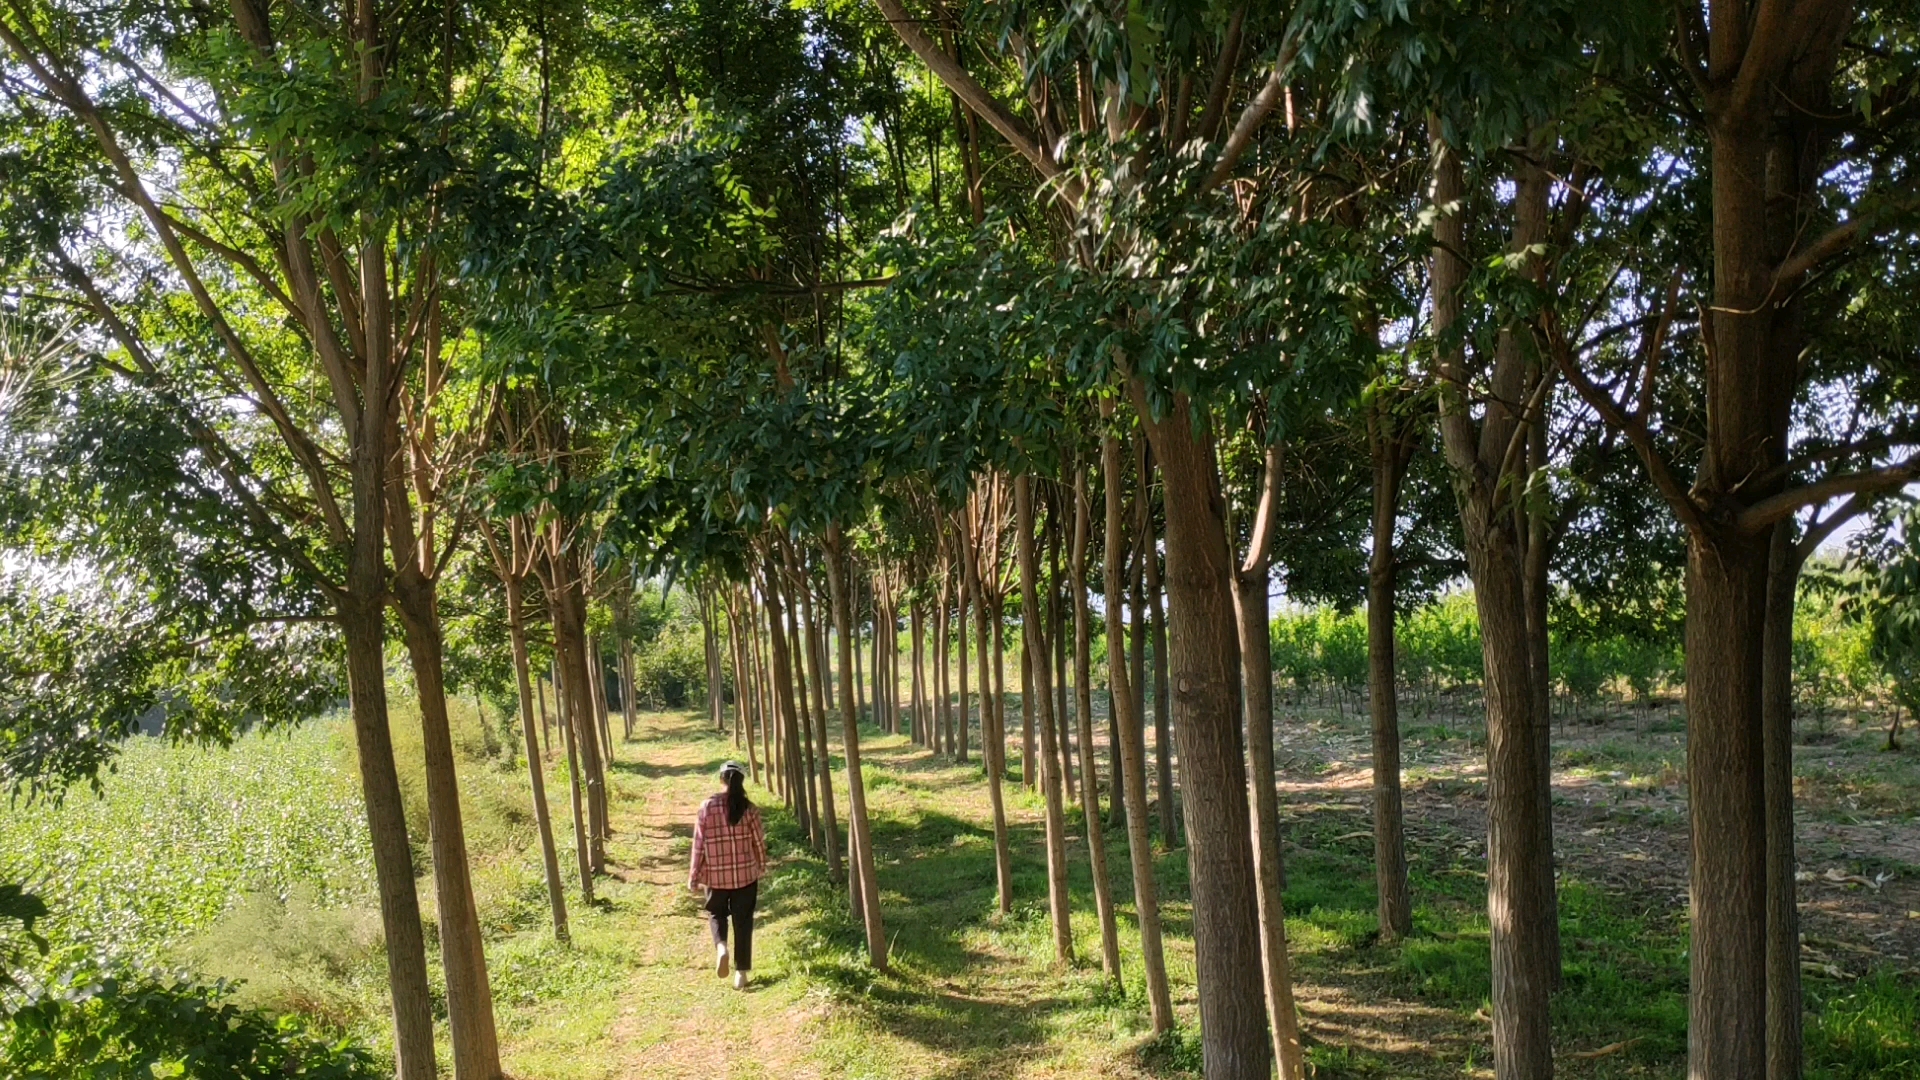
pixel 1056 635
pixel 817 652
pixel 958 743
pixel 1133 758
pixel 1029 732
pixel 476 1043
pixel 791 758
pixel 1162 699
pixel 1002 848
pixel 546 721
pixel 567 602
pixel 1256 673
pixel 1520 889
pixel 1083 708
pixel 1391 453
pixel 536 768
pixel 1784 1008
pixel 1538 588
pixel 917 719
pixel 793 689
pixel 1204 663
pixel 711 641
pixel 363 627
pixel 942 676
pixel 1036 641
pixel 575 789
pixel 993 744
pixel 860 836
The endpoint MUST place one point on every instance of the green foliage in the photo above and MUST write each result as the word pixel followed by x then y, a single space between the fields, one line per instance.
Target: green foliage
pixel 132 1026
pixel 181 834
pixel 19 910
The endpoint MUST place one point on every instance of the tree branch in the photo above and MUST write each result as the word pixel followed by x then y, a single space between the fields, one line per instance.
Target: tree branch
pixel 976 97
pixel 1633 425
pixel 1872 482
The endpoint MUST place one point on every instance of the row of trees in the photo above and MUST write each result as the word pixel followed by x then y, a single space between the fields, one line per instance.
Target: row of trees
pixel 379 317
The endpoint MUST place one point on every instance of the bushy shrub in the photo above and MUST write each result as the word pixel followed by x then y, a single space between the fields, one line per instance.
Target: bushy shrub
pixel 134 1025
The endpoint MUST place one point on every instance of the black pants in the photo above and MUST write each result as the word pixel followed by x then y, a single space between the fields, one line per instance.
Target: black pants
pixel 735 904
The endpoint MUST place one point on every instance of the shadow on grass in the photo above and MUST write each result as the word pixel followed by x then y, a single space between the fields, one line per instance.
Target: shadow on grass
pixel 937 879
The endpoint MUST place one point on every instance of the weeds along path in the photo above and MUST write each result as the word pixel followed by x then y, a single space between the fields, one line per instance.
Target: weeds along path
pixel 971 994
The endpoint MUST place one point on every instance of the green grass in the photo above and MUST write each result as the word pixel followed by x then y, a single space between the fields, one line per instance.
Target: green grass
pixel 251 863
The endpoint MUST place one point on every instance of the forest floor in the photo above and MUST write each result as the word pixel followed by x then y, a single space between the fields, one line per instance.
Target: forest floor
pixel 249 863
pixel 973 994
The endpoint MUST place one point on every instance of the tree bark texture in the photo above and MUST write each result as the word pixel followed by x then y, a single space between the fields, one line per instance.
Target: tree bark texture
pixel 859 833
pixel 1520 888
pixel 1057 896
pixel 1083 711
pixel 1133 758
pixel 1204 672
pixel 1391 453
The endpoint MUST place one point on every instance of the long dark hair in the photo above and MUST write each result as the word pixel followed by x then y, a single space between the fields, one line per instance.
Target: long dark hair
pixel 737 803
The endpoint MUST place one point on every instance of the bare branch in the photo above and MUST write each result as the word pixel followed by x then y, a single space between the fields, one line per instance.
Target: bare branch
pixel 1871 482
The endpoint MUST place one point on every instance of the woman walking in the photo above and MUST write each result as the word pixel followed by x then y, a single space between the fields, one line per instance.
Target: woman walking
pixel 729 855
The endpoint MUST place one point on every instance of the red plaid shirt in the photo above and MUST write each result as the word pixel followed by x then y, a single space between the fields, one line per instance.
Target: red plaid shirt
pixel 727 856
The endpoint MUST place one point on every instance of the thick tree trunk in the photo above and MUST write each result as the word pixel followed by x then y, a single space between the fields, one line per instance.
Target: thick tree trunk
pixel 536 767
pixel 1520 889
pixel 1204 664
pixel 1538 588
pixel 1256 674
pixel 1390 455
pixel 1133 758
pixel 1083 702
pixel 1036 641
pixel 1784 1007
pixel 363 627
pixel 476 1043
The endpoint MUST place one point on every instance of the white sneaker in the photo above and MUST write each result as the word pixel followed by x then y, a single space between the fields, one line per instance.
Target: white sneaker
pixel 720 967
pixel 739 980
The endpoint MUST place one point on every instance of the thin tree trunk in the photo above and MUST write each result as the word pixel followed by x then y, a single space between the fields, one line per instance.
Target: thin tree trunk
pixel 1002 848
pixel 546 721
pixel 817 652
pixel 567 602
pixel 793 690
pixel 994 745
pixel 1133 758
pixel 582 847
pixel 1390 453
pixel 1083 702
pixel 1057 898
pixel 1205 663
pixel 1256 673
pixel 791 760
pixel 918 717
pixel 1534 566
pixel 1162 699
pixel 957 742
pixel 507 562
pixel 1056 614
pixel 943 675
pixel 1028 731
pixel 860 835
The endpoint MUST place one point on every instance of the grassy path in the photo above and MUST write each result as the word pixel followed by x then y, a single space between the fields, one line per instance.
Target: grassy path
pixel 971 994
